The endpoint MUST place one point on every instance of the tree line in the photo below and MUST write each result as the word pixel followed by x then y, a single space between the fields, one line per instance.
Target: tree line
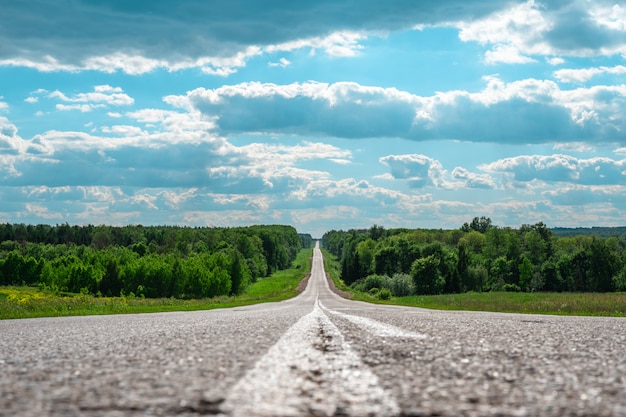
pixel 149 261
pixel 478 257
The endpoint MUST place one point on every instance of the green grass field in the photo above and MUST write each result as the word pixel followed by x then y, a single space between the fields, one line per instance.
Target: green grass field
pixel 29 302
pixel 571 304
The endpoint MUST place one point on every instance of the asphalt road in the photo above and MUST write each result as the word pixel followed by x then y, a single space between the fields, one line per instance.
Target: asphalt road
pixel 314 355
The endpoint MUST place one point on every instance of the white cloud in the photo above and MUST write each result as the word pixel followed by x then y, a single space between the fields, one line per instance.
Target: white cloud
pixel 551 29
pixel 506 54
pixel 283 62
pixel 176 37
pixel 84 108
pixel 124 130
pixel 472 179
pixel 328 191
pixel 105 94
pixel 338 44
pixel 419 170
pixel 613 17
pixel 42 212
pixel 524 111
pixel 555 61
pixel 280 155
pixel 515 33
pixel 561 168
pixel 587 195
pixel 585 74
pixel 422 171
pixel 574 147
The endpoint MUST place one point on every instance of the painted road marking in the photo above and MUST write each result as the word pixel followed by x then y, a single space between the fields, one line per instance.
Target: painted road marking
pixel 311 370
pixel 375 327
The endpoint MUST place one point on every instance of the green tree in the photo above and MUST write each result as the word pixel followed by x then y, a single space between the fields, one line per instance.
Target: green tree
pixel 479 224
pixel 525 274
pixel 602 267
pixel 426 276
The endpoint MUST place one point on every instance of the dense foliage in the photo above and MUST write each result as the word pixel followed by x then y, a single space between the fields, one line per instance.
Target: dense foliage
pixel 154 261
pixel 478 257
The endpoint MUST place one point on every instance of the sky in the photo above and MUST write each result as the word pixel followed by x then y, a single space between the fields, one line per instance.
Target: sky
pixel 327 114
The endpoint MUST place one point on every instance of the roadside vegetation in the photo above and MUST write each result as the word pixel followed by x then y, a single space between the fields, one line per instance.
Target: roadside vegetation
pixel 478 257
pixel 483 267
pixel 150 262
pixel 76 270
pixel 567 304
pixel 30 302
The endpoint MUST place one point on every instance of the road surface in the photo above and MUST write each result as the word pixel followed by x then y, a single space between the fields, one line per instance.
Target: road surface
pixel 314 355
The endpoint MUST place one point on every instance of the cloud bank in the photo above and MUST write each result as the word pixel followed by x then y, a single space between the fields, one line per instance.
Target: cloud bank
pixel 219 36
pixel 525 111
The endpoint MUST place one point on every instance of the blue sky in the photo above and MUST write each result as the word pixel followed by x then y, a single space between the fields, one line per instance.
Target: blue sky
pixel 323 115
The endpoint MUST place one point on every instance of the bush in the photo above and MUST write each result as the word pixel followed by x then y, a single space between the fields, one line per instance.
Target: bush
pixel 370 282
pixel 384 294
pixel 401 285
pixel 511 288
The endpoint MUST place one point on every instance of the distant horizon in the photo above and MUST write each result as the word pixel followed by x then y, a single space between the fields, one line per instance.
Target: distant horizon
pixel 321 115
pixel 314 237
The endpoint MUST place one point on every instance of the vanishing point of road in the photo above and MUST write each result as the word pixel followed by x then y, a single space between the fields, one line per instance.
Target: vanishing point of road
pixel 314 355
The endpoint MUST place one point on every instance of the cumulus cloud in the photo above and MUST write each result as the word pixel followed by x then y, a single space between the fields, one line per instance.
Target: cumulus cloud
pixel 351 192
pixel 526 111
pixel 423 171
pixel 419 170
pixel 472 179
pixel 515 32
pixel 102 96
pixel 561 168
pixel 141 37
pixel 338 44
pixel 580 195
pixel 582 75
pixel 548 28
pixel 174 151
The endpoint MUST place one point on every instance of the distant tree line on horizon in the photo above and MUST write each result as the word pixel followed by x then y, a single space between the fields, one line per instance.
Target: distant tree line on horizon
pixel 478 257
pixel 149 261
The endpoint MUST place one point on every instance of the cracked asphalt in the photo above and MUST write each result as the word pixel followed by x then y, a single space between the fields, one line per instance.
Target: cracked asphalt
pixel 314 355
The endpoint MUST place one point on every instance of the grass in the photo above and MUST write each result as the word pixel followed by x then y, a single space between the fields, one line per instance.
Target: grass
pixel 569 304
pixel 332 266
pixel 29 302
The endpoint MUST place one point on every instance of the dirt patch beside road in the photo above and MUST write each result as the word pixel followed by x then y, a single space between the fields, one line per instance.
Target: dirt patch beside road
pixel 302 284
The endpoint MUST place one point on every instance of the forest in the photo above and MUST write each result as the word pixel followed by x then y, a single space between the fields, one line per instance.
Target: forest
pixel 478 257
pixel 145 261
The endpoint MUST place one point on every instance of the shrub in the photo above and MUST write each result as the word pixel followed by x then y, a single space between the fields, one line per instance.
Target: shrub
pixel 370 282
pixel 384 294
pixel 511 288
pixel 401 285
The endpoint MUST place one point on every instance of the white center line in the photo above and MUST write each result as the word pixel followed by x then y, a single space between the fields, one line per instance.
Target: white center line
pixel 375 327
pixel 311 370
